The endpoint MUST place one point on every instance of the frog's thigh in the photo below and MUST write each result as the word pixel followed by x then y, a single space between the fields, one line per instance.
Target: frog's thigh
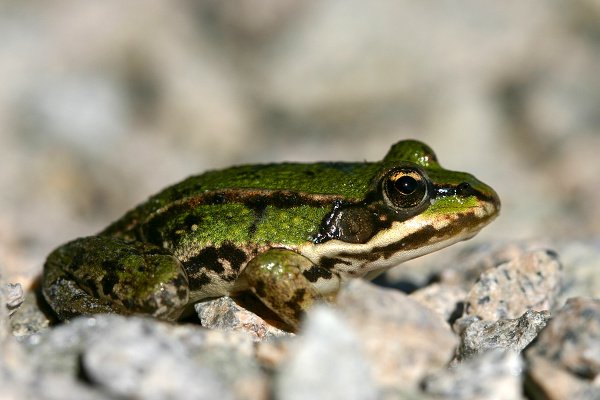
pixel 101 274
pixel 280 279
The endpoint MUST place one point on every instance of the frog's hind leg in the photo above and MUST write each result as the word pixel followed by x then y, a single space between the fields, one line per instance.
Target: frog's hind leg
pixel 286 282
pixel 101 274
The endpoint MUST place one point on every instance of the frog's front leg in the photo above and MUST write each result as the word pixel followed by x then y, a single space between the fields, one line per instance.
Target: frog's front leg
pixel 288 283
pixel 102 274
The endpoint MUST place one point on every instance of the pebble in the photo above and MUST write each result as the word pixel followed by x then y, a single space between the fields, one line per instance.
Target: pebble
pixel 402 338
pixel 510 334
pixel 468 263
pixel 14 371
pixel 493 375
pixel 531 281
pixel 13 293
pixel 136 360
pixel 28 319
pixel 225 314
pixel 564 363
pixel 546 381
pixel 327 358
pixel 581 262
pixel 446 300
pixel 143 358
pixel 572 338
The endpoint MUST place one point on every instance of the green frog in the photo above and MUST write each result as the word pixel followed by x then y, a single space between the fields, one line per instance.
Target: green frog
pixel 290 233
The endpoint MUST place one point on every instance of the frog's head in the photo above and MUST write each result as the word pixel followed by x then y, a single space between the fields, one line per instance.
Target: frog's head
pixel 413 207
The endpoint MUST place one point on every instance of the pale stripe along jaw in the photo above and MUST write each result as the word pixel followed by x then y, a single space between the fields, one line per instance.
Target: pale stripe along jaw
pixel 444 222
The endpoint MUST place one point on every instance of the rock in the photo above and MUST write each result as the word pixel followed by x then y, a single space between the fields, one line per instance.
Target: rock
pixel 13 293
pixel 564 363
pixel 136 362
pixel 14 371
pixel 225 314
pixel 144 358
pixel 581 262
pixel 494 375
pixel 572 338
pixel 272 353
pixel 531 281
pixel 28 318
pixel 60 387
pixel 445 300
pixel 456 266
pixel 231 355
pixel 402 339
pixel 546 381
pixel 327 361
pixel 466 265
pixel 509 334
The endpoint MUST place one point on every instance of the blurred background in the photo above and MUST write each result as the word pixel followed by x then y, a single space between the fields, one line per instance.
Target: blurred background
pixel 104 103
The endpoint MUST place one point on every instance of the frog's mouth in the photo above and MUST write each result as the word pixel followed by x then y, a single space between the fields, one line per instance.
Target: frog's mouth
pixel 404 240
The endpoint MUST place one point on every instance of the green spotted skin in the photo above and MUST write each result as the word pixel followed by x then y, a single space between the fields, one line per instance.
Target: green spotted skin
pixel 322 223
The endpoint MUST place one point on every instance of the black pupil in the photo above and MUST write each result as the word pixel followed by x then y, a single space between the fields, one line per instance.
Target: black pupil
pixel 406 184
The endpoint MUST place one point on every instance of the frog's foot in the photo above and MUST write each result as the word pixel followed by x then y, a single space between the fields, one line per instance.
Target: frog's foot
pixel 286 282
pixel 100 274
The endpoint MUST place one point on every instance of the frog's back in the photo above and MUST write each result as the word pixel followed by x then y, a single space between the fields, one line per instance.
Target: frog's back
pixel 350 180
pixel 251 187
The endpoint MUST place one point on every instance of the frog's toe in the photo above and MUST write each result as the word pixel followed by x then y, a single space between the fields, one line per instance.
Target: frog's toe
pixel 68 300
pixel 167 301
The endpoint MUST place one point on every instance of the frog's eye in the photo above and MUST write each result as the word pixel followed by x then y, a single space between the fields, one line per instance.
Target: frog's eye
pixel 406 188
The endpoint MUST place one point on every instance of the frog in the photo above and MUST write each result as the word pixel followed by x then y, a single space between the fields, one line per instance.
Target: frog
pixel 289 234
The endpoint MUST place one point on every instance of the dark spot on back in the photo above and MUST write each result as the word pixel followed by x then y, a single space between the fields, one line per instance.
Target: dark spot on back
pixel 233 254
pixel 259 214
pixel 329 263
pixel 198 280
pixel 315 272
pixel 207 258
pixel 192 219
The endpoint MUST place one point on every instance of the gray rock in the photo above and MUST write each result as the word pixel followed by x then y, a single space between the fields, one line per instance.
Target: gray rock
pixel 327 362
pixel 465 265
pixel 509 334
pixel 28 319
pixel 225 314
pixel 564 363
pixel 14 296
pixel 572 338
pixel 13 369
pixel 459 266
pixel 4 324
pixel 402 338
pixel 144 358
pixel 494 375
pixel 581 262
pixel 531 281
pixel 134 361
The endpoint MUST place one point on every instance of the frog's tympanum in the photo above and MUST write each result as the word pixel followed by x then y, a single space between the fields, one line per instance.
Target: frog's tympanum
pixel 290 233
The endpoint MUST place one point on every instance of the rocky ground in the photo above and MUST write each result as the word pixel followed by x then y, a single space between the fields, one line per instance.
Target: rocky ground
pixel 104 103
pixel 509 322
